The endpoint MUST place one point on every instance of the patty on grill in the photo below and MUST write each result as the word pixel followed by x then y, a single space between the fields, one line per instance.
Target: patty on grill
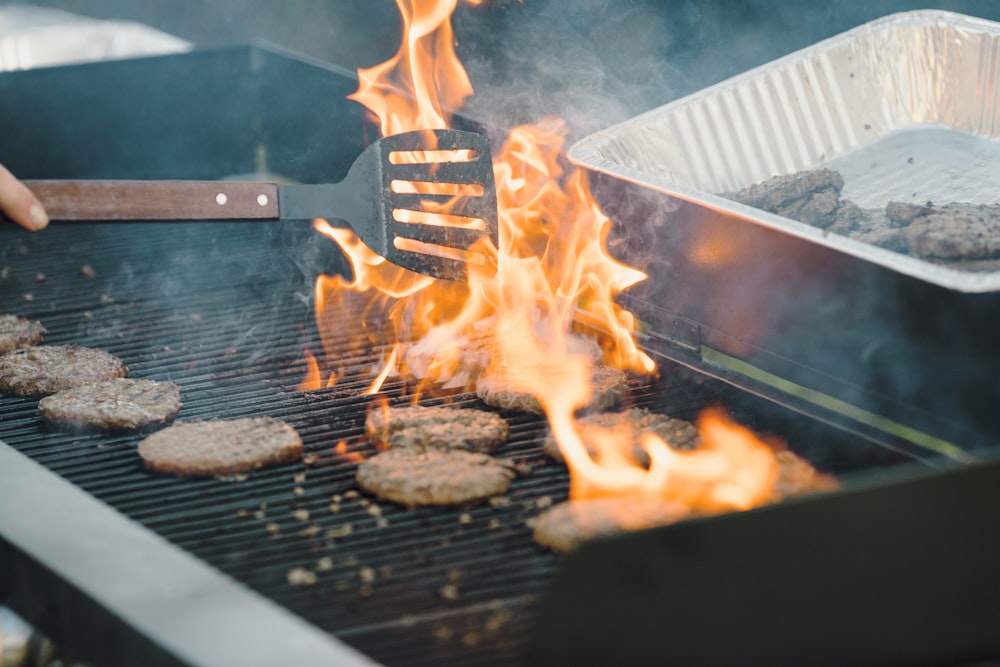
pixel 117 404
pixel 566 526
pixel 677 433
pixel 17 332
pixel 426 427
pixel 495 388
pixel 434 477
pixel 46 369
pixel 223 447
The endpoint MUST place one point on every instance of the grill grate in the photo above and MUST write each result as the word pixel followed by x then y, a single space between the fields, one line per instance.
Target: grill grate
pixel 219 310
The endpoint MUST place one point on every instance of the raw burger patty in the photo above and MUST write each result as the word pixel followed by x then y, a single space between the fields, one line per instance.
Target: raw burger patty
pixel 424 427
pixel 221 447
pixel 433 477
pixel 121 403
pixel 38 371
pixel 17 332
pixel 610 385
pixel 567 525
pixel 679 434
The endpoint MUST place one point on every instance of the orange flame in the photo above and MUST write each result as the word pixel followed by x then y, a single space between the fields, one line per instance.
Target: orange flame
pixel 552 267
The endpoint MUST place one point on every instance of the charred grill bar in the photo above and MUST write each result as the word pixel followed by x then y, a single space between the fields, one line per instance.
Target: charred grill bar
pixel 222 310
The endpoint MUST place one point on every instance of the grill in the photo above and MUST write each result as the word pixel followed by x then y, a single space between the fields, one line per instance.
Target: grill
pixel 223 310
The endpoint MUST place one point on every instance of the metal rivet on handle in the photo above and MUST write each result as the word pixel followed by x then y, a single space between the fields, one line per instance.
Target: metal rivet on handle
pixel 262 200
pixel 221 199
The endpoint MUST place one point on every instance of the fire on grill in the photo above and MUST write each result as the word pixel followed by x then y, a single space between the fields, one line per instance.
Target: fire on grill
pixel 690 431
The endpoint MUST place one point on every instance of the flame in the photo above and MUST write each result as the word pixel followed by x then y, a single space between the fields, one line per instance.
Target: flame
pixel 552 269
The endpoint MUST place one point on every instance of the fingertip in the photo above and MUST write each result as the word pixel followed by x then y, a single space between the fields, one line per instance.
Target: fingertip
pixel 37 217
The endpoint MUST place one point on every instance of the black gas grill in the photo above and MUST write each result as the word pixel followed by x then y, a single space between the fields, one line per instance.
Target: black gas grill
pixel 224 310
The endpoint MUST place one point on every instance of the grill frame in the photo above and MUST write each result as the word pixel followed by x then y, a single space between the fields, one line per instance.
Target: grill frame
pixel 252 311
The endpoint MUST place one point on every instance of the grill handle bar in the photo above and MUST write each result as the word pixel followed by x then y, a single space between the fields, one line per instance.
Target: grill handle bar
pixel 109 200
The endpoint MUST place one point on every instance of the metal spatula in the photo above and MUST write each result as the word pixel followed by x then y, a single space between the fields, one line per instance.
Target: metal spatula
pixel 382 185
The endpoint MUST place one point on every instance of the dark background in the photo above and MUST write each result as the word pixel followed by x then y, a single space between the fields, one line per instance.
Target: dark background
pixel 593 62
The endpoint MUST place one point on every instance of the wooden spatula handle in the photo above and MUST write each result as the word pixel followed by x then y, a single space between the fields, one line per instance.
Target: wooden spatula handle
pixel 157 200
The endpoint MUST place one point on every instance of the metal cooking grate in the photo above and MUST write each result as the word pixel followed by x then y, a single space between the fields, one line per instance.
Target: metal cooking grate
pixel 219 309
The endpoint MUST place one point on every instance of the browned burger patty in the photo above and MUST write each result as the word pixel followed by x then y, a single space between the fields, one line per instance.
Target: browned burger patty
pixel 677 433
pixel 117 404
pixel 610 385
pixel 221 447
pixel 567 525
pixel 424 427
pixel 17 332
pixel 434 477
pixel 796 476
pixel 43 370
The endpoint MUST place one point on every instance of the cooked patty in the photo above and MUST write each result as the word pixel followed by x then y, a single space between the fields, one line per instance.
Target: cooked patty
pixel 677 433
pixel 43 370
pixel 425 427
pixel 17 332
pixel 796 476
pixel 567 525
pixel 470 356
pixel 117 404
pixel 952 231
pixel 221 447
pixel 610 385
pixel 811 196
pixel 434 477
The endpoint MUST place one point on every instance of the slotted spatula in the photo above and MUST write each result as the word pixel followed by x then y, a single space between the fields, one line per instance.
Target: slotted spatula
pixel 375 188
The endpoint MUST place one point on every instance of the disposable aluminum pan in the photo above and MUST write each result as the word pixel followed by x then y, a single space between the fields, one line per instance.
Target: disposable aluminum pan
pixel 906 108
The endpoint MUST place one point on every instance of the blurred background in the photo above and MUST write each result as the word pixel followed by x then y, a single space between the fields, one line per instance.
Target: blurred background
pixel 593 62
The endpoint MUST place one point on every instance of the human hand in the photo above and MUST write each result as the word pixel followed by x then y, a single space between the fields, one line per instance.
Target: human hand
pixel 19 204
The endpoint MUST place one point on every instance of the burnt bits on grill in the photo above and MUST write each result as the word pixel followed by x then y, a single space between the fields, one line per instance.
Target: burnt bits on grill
pixel 567 525
pixel 637 422
pixel 118 404
pixel 434 477
pixel 18 332
pixel 43 370
pixel 496 388
pixel 219 448
pixel 431 427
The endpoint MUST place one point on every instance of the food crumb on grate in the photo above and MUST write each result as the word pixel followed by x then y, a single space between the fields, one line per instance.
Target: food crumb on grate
pixel 40 277
pixel 299 477
pixel 5 273
pixel 28 297
pixel 449 592
pixel 298 490
pixel 87 271
pixel 259 514
pixel 350 561
pixel 273 528
pixel 497 620
pixel 353 494
pixel 543 502
pixel 300 514
pixel 342 531
pixel 464 518
pixel 443 633
pixel 374 510
pixel 341 584
pixel 308 460
pixel 381 522
pixel 366 574
pixel 470 639
pixel 366 590
pixel 324 564
pixel 500 501
pixel 334 508
pixel 300 576
pixel 242 513
pixel 493 524
pixel 309 531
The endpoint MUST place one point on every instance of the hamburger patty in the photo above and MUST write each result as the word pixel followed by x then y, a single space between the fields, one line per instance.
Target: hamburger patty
pixel 677 433
pixel 17 332
pixel 221 447
pixel 423 427
pixel 610 385
pixel 43 370
pixel 566 526
pixel 117 404
pixel 434 477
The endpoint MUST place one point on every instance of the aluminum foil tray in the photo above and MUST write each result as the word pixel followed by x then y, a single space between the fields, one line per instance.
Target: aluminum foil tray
pixel 906 108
